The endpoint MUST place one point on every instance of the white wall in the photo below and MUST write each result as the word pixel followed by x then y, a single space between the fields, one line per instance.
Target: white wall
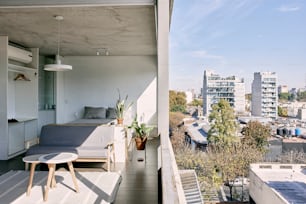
pixel 239 97
pixel 94 81
pixel 261 192
pixel 11 95
pixel 3 98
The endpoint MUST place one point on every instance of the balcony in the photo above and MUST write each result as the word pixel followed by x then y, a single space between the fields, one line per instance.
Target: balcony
pixel 151 52
pixel 139 180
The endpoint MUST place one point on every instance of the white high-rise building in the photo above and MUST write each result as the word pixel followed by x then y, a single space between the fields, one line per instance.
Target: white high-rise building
pixel 189 96
pixel 264 94
pixel 216 87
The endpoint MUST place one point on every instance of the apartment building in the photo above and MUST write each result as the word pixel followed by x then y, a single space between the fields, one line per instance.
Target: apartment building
pixel 264 94
pixel 189 96
pixel 229 88
pixel 283 89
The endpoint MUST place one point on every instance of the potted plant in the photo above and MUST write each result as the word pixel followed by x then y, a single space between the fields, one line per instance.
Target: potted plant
pixel 121 107
pixel 141 133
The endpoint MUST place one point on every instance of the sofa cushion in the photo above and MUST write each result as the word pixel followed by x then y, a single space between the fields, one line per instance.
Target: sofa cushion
pixel 38 149
pixel 91 152
pixel 61 135
pixel 111 113
pixel 94 112
pixel 82 152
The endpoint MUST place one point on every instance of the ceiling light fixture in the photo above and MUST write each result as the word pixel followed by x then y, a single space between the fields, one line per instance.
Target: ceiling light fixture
pixel 102 50
pixel 58 66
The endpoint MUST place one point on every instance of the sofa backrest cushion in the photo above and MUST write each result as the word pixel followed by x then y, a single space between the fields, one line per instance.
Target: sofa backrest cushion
pixel 94 112
pixel 101 136
pixel 65 135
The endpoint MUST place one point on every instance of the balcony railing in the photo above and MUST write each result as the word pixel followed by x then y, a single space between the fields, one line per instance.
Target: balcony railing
pixel 171 182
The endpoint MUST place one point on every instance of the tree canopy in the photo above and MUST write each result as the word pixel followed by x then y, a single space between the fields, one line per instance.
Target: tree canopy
pixel 176 119
pixel 283 112
pixel 223 124
pixel 177 101
pixel 256 135
pixel 218 165
pixel 284 96
pixel 301 96
pixel 248 96
pixel 197 102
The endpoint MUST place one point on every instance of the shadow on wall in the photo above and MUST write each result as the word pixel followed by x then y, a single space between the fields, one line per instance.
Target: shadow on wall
pixel 94 82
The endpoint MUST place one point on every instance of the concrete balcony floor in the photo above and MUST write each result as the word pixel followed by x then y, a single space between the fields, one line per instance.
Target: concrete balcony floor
pixel 139 178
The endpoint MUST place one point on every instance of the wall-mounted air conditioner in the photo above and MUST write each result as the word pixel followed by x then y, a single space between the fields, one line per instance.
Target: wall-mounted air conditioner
pixel 19 55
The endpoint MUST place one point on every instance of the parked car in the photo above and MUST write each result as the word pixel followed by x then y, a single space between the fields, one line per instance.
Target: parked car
pixel 239 181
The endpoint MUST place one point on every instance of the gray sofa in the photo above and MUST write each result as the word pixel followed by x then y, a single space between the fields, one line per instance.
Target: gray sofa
pixel 91 143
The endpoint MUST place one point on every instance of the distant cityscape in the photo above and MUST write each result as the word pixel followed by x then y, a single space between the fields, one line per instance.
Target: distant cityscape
pixel 281 108
pixel 264 100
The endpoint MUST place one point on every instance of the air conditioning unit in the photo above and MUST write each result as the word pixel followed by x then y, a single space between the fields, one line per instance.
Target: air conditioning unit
pixel 19 55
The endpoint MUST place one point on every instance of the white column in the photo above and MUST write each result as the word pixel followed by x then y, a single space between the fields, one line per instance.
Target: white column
pixel 163 69
pixel 3 98
pixel 171 183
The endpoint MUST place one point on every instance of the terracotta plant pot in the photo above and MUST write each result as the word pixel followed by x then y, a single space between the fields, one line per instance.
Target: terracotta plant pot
pixel 120 121
pixel 140 143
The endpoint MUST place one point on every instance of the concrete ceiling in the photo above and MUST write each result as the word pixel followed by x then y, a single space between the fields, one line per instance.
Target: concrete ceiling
pixel 123 30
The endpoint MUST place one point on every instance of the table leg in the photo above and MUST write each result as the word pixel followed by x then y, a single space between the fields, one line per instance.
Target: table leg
pixel 33 165
pixel 53 182
pixel 26 167
pixel 71 169
pixel 50 177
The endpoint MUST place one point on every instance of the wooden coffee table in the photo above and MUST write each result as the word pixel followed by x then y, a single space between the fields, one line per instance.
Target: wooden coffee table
pixel 33 160
pixel 52 160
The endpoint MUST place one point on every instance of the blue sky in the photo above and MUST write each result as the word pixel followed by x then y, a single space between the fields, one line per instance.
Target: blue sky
pixel 237 37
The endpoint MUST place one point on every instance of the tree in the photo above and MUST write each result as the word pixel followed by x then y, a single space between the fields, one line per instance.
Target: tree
pixel 233 161
pixel 248 97
pixel 293 157
pixel 223 124
pixel 301 96
pixel 176 119
pixel 177 101
pixel 284 96
pixel 283 112
pixel 197 102
pixel 256 135
pixel 218 164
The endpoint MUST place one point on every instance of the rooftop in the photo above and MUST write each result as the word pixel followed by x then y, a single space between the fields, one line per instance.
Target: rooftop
pixel 198 132
pixel 294 140
pixel 286 180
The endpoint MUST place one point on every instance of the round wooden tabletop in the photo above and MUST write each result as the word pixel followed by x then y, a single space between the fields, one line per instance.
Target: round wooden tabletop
pixel 57 158
pixel 32 158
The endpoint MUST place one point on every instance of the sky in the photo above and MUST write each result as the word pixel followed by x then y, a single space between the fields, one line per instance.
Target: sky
pixel 237 37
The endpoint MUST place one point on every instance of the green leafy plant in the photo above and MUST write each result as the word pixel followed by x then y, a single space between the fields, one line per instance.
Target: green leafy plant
pixel 121 106
pixel 141 129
